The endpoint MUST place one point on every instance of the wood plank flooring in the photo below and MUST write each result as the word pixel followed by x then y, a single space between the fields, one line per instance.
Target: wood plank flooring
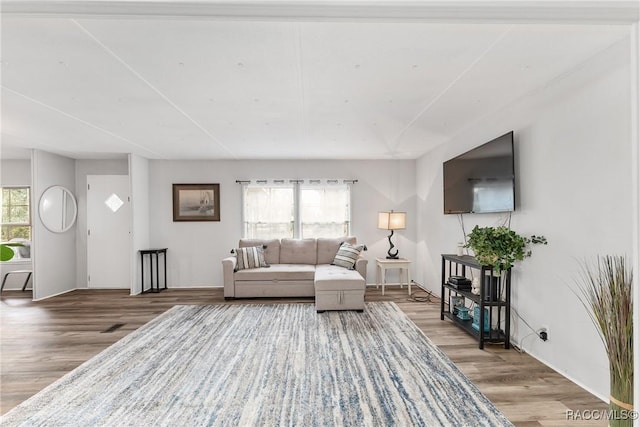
pixel 41 341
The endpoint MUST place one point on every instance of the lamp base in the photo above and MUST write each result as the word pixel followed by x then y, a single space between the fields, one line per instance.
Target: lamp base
pixel 390 253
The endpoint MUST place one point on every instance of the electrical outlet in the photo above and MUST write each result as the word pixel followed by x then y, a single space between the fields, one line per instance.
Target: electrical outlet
pixel 543 333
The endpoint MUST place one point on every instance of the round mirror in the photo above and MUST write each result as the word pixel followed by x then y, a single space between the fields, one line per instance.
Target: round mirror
pixel 58 209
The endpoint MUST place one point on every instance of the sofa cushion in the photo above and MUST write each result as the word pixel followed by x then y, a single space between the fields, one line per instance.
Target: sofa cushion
pixel 298 251
pixel 328 248
pixel 347 255
pixel 334 278
pixel 251 257
pixel 271 252
pixel 280 272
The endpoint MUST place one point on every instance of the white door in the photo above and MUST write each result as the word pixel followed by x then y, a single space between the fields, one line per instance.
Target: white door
pixel 108 231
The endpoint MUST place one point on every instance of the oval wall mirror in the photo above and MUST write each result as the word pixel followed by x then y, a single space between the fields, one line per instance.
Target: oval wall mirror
pixel 57 209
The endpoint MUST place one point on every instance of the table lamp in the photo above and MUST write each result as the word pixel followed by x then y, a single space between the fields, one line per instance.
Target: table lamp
pixel 391 221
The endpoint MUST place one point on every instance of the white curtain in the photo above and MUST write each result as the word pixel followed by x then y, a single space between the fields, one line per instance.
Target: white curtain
pixel 296 208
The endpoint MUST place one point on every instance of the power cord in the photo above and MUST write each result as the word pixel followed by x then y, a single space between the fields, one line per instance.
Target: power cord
pixel 520 348
pixel 420 298
pixel 542 334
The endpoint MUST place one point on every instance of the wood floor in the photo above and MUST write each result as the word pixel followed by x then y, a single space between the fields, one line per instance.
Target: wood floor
pixel 41 341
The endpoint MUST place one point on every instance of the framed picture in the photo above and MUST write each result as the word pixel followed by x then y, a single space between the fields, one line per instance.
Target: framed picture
pixel 196 202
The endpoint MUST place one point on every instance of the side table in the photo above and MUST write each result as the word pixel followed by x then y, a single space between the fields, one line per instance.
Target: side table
pixel 151 253
pixel 383 264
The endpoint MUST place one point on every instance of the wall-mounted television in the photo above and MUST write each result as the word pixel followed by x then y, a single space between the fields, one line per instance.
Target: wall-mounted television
pixel 481 180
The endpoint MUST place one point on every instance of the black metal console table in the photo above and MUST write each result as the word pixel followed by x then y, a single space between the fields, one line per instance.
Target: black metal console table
pixel 494 297
pixel 151 253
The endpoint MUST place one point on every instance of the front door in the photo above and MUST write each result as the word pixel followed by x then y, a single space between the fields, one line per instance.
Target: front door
pixel 108 231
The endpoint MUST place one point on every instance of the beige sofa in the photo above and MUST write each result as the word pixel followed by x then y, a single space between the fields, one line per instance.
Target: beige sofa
pixel 299 268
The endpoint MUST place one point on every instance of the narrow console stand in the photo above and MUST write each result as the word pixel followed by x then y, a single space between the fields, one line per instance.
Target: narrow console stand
pixel 494 300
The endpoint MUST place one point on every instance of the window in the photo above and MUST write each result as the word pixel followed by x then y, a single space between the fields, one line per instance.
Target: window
pixel 268 211
pixel 325 210
pixel 279 209
pixel 16 213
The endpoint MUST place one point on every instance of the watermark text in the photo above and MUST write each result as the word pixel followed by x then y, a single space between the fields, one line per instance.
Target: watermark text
pixel 608 414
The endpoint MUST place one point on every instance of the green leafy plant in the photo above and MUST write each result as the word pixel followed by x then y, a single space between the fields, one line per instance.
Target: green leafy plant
pixel 500 247
pixel 607 294
pixel 6 253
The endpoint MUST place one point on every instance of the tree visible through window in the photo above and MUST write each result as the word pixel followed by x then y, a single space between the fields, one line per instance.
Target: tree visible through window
pixel 16 213
pixel 296 209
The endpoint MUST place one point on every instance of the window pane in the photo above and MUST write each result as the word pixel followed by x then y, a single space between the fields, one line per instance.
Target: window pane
pixel 325 210
pixel 18 215
pixel 268 212
pixel 15 210
pixel 11 232
pixel 19 196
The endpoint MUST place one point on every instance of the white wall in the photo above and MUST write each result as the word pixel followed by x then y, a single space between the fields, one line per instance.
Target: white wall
pixel 574 174
pixel 139 177
pixel 53 254
pixel 82 169
pixel 15 172
pixel 195 249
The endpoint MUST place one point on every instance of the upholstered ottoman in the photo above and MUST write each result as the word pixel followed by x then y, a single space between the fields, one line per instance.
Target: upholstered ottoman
pixel 338 288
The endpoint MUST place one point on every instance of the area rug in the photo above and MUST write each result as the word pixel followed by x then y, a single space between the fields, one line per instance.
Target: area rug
pixel 265 365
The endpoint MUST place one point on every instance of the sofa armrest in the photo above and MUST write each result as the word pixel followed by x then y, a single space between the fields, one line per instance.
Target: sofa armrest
pixel 228 266
pixel 361 267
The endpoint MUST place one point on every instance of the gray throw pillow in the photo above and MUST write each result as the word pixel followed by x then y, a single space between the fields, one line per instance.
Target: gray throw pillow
pixel 347 255
pixel 250 257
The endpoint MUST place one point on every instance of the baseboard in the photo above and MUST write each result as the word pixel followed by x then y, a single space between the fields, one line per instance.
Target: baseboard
pixel 55 295
pixel 197 287
pixel 573 380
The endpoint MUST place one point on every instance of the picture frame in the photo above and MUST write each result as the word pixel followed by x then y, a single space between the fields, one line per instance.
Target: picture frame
pixel 196 202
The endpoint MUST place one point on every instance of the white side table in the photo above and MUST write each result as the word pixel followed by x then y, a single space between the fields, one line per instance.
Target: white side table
pixel 383 264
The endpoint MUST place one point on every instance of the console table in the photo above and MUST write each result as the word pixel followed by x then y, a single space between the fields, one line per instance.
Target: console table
pixel 151 253
pixel 494 300
pixel 384 264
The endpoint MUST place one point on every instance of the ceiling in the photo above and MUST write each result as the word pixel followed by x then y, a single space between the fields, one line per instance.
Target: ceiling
pixel 279 79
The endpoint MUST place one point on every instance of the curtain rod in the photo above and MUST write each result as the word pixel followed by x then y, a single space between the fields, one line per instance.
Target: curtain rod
pixel 297 181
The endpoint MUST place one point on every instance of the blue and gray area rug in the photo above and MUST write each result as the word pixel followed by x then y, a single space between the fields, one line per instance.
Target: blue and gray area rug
pixel 265 365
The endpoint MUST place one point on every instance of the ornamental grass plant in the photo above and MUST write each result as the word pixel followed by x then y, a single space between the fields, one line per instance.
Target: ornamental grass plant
pixel 606 288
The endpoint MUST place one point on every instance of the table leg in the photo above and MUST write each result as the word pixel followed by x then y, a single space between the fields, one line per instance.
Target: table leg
pixel 409 280
pixel 151 271
pixel 401 277
pixel 142 272
pixel 164 253
pixel 377 276
pixel 383 273
pixel 157 272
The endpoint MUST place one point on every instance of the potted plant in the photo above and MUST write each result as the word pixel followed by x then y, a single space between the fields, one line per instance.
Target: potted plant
pixel 607 294
pixel 500 247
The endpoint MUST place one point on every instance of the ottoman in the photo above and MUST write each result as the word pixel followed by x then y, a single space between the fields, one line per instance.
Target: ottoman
pixel 337 288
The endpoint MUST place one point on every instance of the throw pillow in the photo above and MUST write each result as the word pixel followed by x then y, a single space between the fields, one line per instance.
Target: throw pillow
pixel 250 257
pixel 347 255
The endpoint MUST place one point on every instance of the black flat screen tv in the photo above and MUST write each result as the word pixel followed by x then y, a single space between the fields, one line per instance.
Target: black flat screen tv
pixel 481 180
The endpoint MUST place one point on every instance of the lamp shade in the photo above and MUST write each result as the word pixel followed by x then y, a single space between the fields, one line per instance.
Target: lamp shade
pixel 392 220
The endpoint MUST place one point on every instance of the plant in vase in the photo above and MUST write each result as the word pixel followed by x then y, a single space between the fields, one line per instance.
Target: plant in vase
pixel 607 294
pixel 499 247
